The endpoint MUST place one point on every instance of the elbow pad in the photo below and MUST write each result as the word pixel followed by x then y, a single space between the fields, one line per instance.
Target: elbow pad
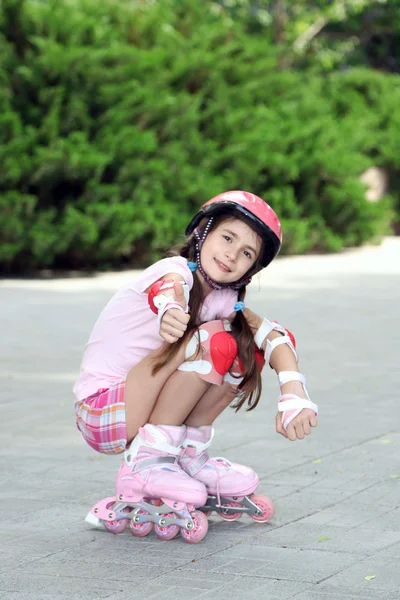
pixel 287 338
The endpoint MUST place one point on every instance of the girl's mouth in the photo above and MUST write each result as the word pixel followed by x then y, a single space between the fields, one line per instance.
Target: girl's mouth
pixel 223 267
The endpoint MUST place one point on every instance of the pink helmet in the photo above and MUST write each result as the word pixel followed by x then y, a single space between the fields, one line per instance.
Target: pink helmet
pixel 257 213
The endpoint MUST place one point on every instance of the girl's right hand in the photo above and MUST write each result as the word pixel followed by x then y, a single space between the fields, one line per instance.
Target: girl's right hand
pixel 174 322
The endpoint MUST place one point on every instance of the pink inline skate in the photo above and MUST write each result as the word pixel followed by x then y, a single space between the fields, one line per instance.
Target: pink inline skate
pixel 152 490
pixel 230 486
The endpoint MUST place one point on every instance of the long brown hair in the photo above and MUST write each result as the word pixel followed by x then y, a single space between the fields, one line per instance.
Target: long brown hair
pixel 250 387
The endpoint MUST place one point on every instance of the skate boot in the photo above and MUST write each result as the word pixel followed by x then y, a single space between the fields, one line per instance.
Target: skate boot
pixel 230 486
pixel 152 490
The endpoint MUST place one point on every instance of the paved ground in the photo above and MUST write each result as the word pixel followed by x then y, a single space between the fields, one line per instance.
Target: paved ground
pixel 336 533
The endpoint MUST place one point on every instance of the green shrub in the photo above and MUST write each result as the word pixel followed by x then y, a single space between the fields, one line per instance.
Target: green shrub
pixel 118 120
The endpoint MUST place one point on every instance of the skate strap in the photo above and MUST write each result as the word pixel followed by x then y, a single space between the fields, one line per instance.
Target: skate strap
pixel 150 436
pixel 293 402
pixel 196 464
pixel 154 460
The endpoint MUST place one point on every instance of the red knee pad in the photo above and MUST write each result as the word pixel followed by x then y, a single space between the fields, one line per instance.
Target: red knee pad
pixel 223 351
pixel 218 351
pixel 238 366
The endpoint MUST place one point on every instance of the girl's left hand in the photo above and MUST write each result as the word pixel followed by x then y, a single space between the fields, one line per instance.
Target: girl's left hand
pixel 299 427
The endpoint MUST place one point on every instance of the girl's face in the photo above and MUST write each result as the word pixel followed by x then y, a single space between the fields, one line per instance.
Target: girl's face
pixel 229 251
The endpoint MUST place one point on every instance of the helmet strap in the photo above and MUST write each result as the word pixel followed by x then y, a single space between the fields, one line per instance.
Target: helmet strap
pixel 200 237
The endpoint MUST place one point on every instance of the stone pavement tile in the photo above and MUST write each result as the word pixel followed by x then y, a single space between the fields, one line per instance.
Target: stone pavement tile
pixel 39 542
pixel 304 503
pixel 367 591
pixel 17 581
pixel 349 515
pixel 12 557
pixel 222 562
pixel 389 520
pixel 56 515
pixel 166 593
pixel 225 535
pixel 88 587
pixel 343 593
pixel 177 584
pixel 353 483
pixel 386 571
pixel 189 579
pixel 15 506
pixel 32 595
pixel 235 589
pixel 253 588
pixel 335 470
pixel 391 552
pixel 146 591
pixel 144 551
pixel 381 494
pixel 275 563
pixel 308 475
pixel 100 566
pixel 358 541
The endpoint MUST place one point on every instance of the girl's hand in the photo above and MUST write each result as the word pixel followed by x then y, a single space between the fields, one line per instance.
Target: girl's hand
pixel 299 427
pixel 174 322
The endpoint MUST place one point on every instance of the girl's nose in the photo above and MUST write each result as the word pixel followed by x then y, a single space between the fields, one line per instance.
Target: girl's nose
pixel 230 255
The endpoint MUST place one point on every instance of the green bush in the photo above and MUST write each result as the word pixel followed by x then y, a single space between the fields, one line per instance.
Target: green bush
pixel 118 119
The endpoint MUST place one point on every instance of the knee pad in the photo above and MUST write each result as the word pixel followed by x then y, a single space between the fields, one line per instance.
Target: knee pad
pixel 216 350
pixel 234 377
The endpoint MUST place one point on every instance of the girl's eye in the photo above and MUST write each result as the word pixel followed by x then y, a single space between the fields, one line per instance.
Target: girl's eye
pixel 247 254
pixel 227 237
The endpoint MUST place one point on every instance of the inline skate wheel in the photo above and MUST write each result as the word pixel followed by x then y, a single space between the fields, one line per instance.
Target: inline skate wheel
pixel 169 532
pixel 230 516
pixel 199 531
pixel 116 526
pixel 141 529
pixel 266 507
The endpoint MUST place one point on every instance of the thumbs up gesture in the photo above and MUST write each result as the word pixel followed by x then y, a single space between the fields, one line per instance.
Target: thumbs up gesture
pixel 174 321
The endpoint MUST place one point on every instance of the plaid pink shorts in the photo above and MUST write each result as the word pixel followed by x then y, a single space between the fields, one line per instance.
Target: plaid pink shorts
pixel 101 419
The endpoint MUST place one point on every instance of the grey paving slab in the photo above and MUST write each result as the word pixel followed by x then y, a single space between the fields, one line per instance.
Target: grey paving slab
pixel 280 563
pixel 32 595
pixel 385 570
pixel 337 493
pixel 228 588
pixel 366 593
pixel 302 535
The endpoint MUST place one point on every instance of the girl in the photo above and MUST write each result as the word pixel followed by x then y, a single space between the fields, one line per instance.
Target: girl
pixel 168 354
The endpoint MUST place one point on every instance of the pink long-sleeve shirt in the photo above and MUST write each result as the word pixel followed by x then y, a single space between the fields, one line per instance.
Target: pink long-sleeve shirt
pixel 127 330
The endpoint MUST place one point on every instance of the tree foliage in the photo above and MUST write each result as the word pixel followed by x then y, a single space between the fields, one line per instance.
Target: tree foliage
pixel 117 119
